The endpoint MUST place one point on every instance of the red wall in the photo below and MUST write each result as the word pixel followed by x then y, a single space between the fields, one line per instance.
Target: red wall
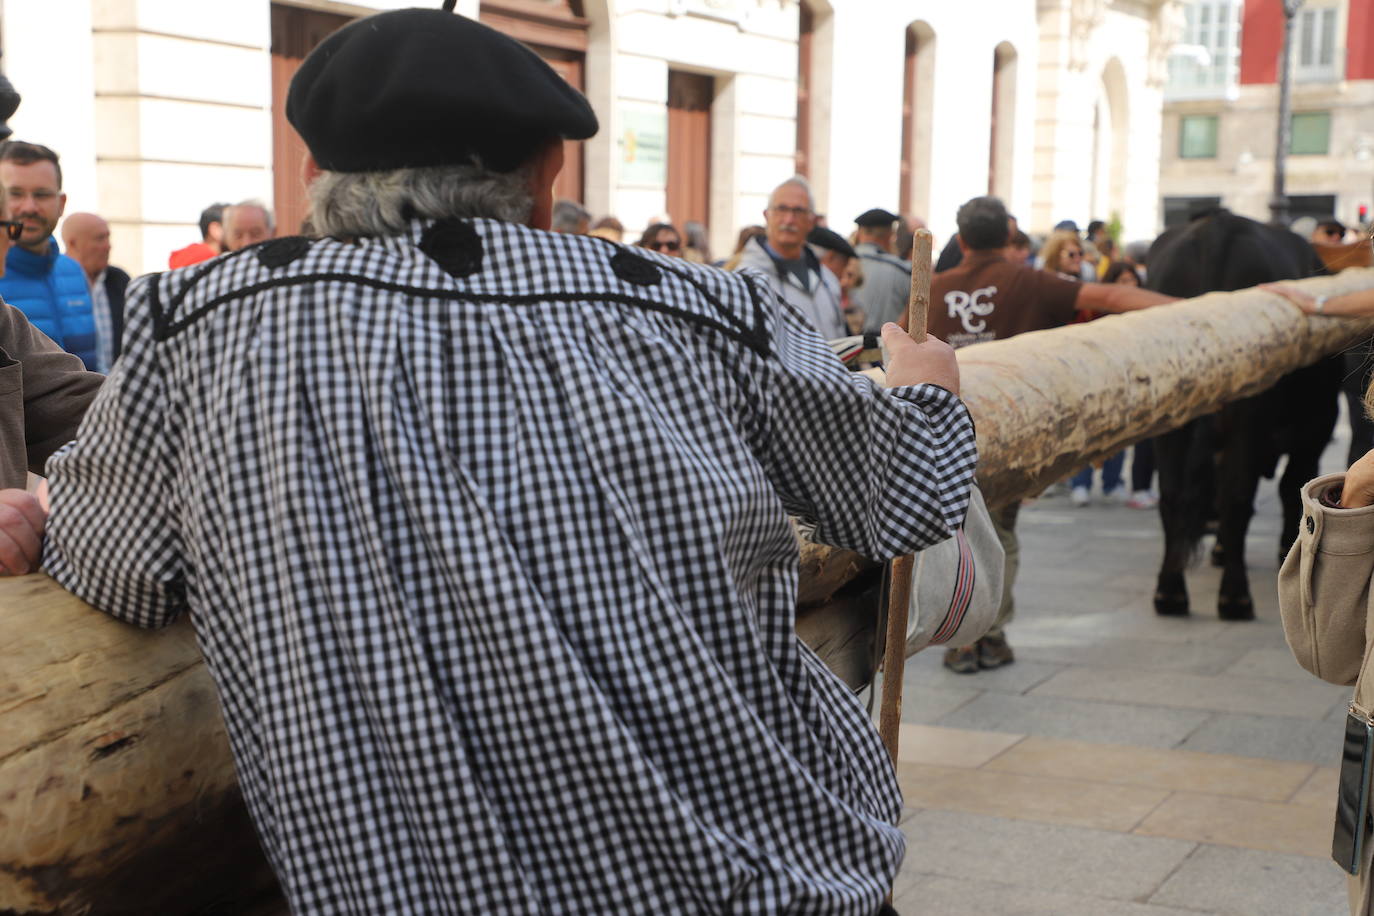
pixel 1359 51
pixel 1261 40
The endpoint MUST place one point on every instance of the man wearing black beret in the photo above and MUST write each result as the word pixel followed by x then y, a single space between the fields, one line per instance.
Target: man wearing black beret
pixel 483 528
pixel 887 278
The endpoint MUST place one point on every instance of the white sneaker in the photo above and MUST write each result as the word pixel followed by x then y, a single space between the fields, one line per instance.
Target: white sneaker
pixel 1080 496
pixel 1115 497
pixel 1142 499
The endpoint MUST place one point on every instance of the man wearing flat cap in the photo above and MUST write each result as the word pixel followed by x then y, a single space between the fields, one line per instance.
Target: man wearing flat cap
pixel 887 278
pixel 484 528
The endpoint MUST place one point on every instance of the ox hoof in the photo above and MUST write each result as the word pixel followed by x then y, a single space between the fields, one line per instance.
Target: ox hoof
pixel 1171 604
pixel 1235 607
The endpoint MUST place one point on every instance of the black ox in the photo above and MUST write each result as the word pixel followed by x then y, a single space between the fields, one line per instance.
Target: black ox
pixel 1211 467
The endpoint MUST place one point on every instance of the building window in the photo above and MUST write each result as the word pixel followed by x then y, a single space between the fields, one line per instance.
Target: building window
pixel 1178 210
pixel 1197 137
pixel 1311 133
pixel 1314 44
pixel 1206 61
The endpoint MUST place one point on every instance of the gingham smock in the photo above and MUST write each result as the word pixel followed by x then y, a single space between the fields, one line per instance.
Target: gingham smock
pixel 491 565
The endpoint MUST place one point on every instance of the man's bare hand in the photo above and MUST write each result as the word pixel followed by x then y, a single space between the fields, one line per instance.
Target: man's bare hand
pixel 1302 300
pixel 910 363
pixel 1359 484
pixel 21 532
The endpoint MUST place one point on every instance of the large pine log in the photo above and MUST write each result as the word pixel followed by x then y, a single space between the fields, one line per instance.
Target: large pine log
pixel 117 793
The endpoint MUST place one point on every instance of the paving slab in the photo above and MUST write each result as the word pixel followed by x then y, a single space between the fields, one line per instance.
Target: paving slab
pixel 1113 723
pixel 1133 621
pixel 927 705
pixel 1277 663
pixel 939 896
pixel 1316 741
pixel 1030 798
pixel 1222 693
pixel 1246 882
pixel 1172 770
pixel 1275 826
pixel 1120 652
pixel 1046 857
pixel 951 747
pixel 1319 789
pixel 927 669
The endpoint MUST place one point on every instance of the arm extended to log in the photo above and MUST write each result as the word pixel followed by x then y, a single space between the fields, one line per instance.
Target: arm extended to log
pixel 1050 402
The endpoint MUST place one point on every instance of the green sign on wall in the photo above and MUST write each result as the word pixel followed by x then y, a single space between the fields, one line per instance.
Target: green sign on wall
pixel 643 146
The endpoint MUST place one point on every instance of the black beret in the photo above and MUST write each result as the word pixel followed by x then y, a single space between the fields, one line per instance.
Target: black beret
pixel 414 87
pixel 829 239
pixel 872 219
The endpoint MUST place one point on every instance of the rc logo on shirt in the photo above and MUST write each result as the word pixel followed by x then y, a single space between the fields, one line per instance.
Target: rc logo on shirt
pixel 965 306
pixel 76 303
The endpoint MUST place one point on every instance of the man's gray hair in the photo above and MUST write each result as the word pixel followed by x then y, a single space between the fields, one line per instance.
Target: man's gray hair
pixel 983 224
pixel 254 202
pixel 798 181
pixel 375 204
pixel 568 216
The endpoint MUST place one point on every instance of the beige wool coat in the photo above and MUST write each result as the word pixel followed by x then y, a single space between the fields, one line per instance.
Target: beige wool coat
pixel 1324 597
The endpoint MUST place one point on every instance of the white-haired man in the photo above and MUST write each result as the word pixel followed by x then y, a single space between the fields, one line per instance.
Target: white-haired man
pixel 484 527
pixel 792 269
pixel 245 224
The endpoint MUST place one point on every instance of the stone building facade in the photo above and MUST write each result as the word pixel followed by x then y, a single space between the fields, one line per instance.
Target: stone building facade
pixel 1221 111
pixel 160 107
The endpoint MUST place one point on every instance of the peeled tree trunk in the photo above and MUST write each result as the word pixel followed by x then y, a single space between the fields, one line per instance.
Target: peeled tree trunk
pixel 117 792
pixel 1050 402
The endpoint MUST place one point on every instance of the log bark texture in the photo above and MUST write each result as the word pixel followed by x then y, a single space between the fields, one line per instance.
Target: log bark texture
pixel 1049 402
pixel 117 792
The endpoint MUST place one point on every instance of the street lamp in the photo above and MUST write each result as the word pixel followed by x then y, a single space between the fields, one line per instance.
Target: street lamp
pixel 1278 203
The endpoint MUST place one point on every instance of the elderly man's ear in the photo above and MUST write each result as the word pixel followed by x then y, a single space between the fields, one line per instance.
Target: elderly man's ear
pixel 310 170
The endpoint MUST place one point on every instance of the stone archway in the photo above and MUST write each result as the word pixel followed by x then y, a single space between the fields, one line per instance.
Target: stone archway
pixel 1111 150
pixel 918 104
pixel 1002 142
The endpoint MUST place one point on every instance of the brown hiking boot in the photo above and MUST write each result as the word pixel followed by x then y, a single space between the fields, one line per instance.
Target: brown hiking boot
pixel 963 660
pixel 993 652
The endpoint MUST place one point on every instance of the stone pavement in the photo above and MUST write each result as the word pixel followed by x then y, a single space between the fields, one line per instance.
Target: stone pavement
pixel 1126 764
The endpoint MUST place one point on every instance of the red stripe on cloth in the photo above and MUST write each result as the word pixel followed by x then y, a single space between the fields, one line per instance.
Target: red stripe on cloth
pixel 962 598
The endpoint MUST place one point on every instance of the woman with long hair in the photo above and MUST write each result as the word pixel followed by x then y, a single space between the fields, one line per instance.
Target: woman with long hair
pixel 1063 254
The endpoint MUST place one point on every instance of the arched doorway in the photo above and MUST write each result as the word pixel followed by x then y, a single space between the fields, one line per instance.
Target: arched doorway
pixel 815 39
pixel 918 95
pixel 1111 151
pixel 1002 142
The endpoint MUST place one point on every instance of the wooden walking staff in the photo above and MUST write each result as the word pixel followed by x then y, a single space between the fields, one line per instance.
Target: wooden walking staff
pixel 899 590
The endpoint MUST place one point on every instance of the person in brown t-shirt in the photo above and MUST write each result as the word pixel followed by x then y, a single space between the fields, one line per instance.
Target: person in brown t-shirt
pixel 984 298
pixel 987 297
pixel 44 393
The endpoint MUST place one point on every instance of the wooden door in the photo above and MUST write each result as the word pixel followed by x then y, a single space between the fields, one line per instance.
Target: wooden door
pixel 295 33
pixel 556 30
pixel 689 146
pixel 805 41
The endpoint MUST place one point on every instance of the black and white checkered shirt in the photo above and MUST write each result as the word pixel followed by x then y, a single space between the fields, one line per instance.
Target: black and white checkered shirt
pixel 484 534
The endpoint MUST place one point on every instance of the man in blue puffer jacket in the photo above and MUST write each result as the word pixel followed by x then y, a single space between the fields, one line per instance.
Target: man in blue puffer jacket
pixel 46 285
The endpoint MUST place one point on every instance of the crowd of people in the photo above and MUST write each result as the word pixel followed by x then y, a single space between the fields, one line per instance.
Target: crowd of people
pixel 483 522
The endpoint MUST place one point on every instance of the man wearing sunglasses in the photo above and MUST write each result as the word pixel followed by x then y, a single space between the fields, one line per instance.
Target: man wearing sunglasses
pixel 46 285
pixel 1329 232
